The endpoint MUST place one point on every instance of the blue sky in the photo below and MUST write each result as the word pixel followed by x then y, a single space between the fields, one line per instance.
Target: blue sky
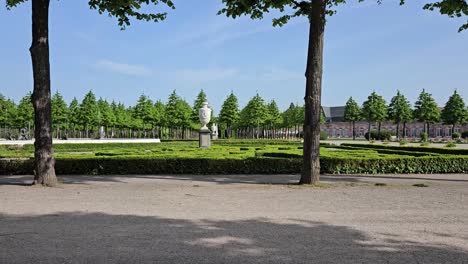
pixel 367 47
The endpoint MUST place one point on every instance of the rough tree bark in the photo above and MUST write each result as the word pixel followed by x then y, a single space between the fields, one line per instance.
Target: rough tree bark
pixel 404 129
pixel 354 130
pixel 313 74
pixel 369 130
pixel 398 130
pixel 44 171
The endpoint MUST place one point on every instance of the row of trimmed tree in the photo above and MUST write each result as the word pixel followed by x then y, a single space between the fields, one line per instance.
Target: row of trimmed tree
pixel 178 119
pixel 399 111
pixel 153 119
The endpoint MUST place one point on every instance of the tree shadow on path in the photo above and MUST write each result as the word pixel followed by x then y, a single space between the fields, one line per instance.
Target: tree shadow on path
pixel 76 237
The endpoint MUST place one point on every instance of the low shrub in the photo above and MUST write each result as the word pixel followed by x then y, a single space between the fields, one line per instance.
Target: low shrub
pixel 424 137
pixel 410 148
pixel 323 135
pixel 456 135
pixel 384 135
pixel 451 145
pixel 403 142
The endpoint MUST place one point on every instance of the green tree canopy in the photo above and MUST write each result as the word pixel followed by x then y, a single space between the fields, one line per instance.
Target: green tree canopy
pixel 74 113
pixel 159 113
pixel 289 116
pixel 106 115
pixel 352 111
pixel 178 112
pixel 229 114
pixel 255 112
pixel 455 111
pixel 89 111
pixel 399 109
pixel 274 117
pixel 59 111
pixel 8 112
pixel 25 117
pixel 144 110
pixel 374 109
pixel 426 109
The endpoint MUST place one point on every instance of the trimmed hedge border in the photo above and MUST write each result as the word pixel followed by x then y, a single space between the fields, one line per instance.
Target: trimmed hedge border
pixel 449 151
pixel 287 164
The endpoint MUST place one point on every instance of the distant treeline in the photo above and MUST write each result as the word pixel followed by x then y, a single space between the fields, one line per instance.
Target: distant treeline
pixel 178 119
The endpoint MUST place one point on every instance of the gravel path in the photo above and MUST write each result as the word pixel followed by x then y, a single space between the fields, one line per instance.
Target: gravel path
pixel 235 219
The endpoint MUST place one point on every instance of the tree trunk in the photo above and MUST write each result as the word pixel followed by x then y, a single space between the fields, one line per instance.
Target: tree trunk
pixel 398 130
pixel 378 130
pixel 44 162
pixel 404 130
pixel 311 163
pixel 369 130
pixel 228 133
pixel 354 130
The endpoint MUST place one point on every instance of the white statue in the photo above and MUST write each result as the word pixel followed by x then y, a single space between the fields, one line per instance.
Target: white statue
pixel 214 131
pixel 205 116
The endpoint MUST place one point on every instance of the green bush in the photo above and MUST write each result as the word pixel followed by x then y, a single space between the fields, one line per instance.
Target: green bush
pixel 410 148
pixel 451 144
pixel 456 135
pixel 269 163
pixel 384 135
pixel 424 137
pixel 323 135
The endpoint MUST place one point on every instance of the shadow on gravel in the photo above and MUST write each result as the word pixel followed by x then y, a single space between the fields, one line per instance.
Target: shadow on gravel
pixel 103 238
pixel 218 179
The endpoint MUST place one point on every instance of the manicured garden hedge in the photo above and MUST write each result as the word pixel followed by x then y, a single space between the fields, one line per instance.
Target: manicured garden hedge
pixel 450 151
pixel 269 163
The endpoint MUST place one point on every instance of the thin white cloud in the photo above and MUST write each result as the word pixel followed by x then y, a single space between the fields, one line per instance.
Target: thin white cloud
pixel 123 68
pixel 280 74
pixel 206 75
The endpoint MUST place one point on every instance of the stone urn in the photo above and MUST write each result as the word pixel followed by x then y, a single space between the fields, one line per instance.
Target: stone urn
pixel 205 116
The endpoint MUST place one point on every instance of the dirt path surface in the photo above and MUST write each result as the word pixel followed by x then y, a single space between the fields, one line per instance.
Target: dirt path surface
pixel 235 219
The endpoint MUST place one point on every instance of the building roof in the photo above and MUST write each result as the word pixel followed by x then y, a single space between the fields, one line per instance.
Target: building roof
pixel 333 113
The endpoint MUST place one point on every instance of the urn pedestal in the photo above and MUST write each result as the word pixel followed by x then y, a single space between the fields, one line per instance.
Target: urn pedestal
pixel 204 139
